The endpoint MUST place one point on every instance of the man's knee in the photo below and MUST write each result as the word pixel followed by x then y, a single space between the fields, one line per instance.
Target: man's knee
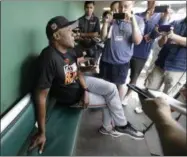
pixel 112 87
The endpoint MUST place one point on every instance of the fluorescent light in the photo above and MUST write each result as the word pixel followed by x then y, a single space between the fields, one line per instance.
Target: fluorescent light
pixel 171 2
pixel 106 8
pixel 166 2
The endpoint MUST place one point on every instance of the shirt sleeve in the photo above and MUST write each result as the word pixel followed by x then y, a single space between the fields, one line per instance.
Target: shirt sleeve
pixel 47 71
pixel 97 26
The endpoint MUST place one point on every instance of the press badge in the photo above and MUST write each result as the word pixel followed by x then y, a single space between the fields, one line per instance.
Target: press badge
pixel 119 38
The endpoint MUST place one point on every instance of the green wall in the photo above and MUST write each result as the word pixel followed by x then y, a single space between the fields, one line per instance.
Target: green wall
pixel 22 39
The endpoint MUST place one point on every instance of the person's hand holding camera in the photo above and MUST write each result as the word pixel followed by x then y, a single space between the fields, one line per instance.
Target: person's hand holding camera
pixel 157 109
pixel 129 16
pixel 165 34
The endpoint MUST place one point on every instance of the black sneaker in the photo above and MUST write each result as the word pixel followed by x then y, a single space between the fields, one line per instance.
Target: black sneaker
pixel 130 131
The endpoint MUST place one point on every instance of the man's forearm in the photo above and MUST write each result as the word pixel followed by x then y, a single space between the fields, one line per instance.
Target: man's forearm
pixel 179 40
pixel 41 118
pixel 136 34
pixel 104 31
pixel 41 111
pixel 172 137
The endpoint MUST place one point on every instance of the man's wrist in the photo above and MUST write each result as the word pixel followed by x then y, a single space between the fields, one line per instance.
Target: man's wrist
pixel 86 89
pixel 163 119
pixel 132 18
pixel 41 132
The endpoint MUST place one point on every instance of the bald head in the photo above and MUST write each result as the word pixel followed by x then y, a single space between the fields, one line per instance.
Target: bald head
pixel 126 6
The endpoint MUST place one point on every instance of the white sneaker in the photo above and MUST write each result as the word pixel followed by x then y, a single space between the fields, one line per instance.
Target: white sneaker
pixel 138 110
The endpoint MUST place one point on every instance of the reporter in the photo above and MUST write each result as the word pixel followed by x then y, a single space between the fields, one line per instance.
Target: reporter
pixel 119 42
pixel 172 135
pixel 142 51
pixel 170 67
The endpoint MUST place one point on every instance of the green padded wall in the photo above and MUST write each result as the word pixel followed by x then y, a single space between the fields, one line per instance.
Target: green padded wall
pixel 22 39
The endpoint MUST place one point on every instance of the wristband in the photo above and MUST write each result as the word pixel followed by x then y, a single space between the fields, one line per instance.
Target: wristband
pixel 86 89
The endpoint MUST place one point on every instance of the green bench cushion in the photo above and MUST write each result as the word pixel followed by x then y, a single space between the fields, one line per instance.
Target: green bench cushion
pixel 14 136
pixel 61 131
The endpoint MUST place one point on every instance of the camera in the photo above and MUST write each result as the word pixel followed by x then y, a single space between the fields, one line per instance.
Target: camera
pixel 164 28
pixel 161 9
pixel 119 16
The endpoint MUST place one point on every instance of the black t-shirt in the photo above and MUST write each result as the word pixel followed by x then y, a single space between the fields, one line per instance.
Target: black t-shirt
pixel 58 72
pixel 89 26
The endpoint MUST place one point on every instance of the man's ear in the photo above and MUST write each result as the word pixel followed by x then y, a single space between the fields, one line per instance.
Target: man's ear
pixel 56 36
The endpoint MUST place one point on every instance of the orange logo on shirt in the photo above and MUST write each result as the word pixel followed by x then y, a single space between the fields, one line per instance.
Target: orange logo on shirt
pixel 70 73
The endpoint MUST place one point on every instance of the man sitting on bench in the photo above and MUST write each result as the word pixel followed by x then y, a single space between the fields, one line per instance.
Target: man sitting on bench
pixel 58 73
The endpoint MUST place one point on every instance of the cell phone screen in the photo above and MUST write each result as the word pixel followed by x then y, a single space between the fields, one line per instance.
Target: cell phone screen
pixel 164 28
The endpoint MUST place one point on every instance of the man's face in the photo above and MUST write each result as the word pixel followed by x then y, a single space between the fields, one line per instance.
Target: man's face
pixel 66 37
pixel 115 8
pixel 89 9
pixel 125 6
pixel 151 4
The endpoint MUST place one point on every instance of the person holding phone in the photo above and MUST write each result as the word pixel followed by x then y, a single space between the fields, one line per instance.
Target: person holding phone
pixel 123 34
pixel 170 67
pixel 114 7
pixel 152 16
pixel 172 135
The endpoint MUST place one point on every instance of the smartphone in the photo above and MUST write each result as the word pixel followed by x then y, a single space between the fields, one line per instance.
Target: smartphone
pixel 164 28
pixel 143 93
pixel 119 16
pixel 161 9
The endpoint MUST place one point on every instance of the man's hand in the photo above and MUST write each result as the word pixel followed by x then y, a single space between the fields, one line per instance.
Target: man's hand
pixel 147 38
pixel 164 34
pixel 107 20
pixel 85 100
pixel 38 141
pixel 156 109
pixel 129 16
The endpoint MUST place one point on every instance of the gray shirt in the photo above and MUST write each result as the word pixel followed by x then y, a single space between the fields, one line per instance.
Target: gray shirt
pixel 119 48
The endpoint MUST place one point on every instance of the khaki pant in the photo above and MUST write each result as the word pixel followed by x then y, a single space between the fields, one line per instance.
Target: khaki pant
pixel 173 81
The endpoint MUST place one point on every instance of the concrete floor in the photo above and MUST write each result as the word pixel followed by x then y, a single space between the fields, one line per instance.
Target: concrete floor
pixel 92 143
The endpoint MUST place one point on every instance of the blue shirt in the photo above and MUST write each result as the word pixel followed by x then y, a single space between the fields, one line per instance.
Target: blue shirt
pixel 143 49
pixel 173 57
pixel 119 48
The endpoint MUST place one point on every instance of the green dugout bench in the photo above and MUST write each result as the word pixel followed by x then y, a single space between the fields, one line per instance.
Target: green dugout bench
pixel 18 126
